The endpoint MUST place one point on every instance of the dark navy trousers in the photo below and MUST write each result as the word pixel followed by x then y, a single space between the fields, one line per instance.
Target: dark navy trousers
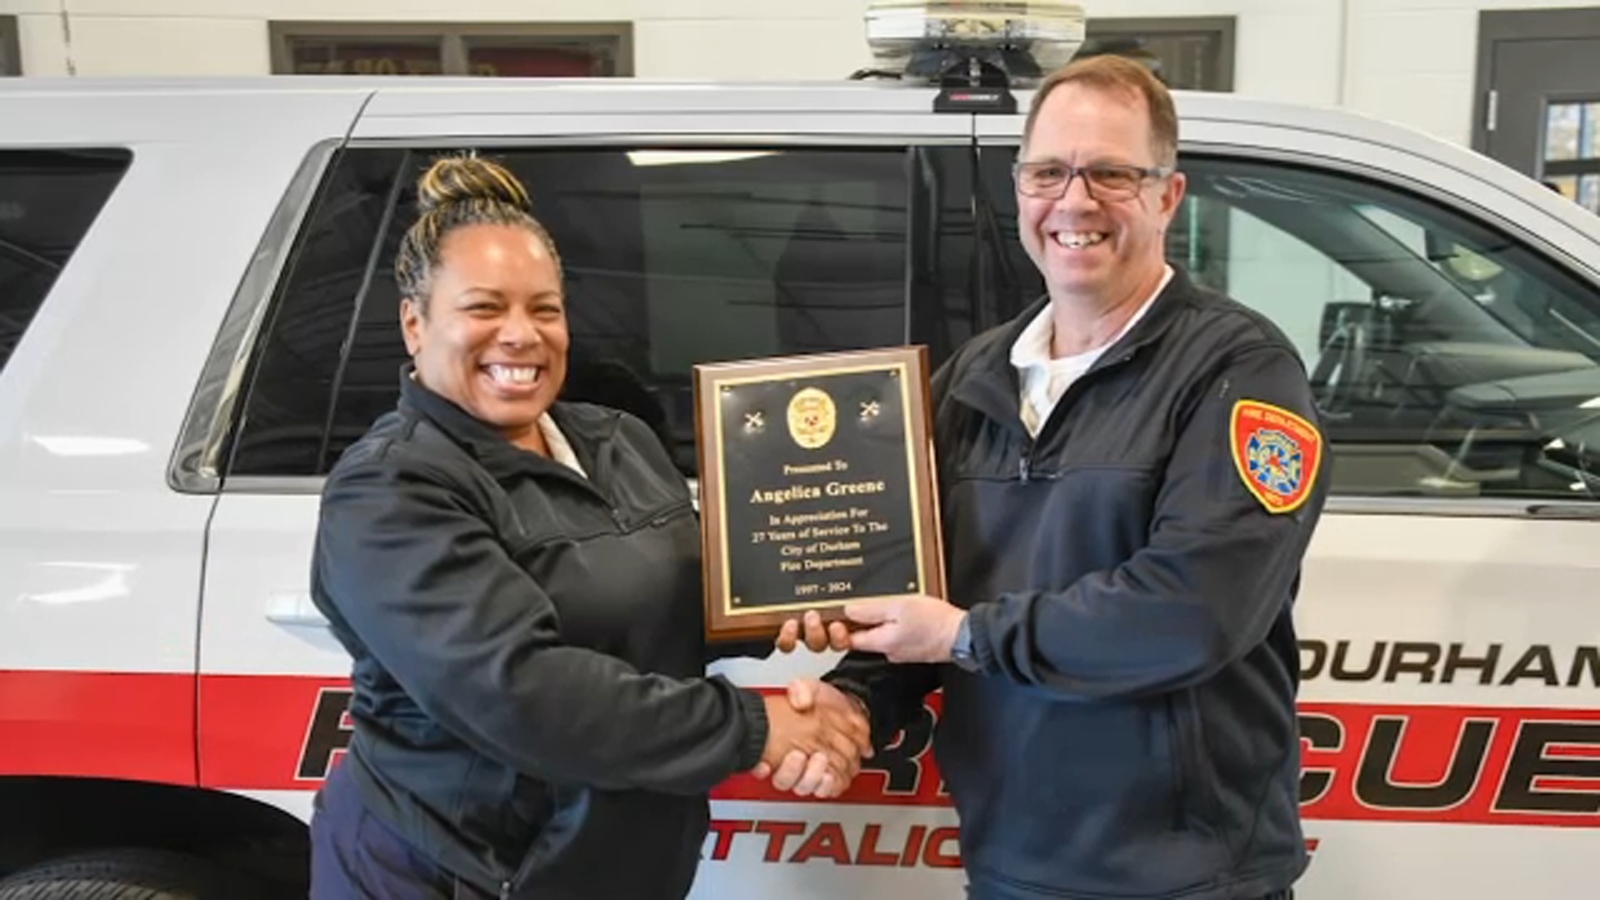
pixel 356 857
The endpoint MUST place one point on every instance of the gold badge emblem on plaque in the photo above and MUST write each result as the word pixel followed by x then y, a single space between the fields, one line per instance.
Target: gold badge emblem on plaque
pixel 812 418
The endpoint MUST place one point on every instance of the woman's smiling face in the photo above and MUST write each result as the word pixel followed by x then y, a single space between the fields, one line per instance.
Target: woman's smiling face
pixel 492 336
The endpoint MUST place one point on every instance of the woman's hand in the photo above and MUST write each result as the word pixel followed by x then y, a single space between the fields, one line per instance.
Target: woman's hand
pixel 817 736
pixel 836 636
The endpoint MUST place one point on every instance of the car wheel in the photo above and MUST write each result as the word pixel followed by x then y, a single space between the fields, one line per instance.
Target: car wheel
pixel 127 874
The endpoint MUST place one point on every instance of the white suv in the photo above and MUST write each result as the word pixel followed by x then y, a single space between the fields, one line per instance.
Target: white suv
pixel 197 314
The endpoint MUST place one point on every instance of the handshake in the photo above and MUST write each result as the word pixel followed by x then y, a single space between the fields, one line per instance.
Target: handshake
pixel 817 735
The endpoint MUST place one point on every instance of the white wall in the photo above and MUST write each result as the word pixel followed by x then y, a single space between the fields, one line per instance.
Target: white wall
pixel 672 38
pixel 1408 60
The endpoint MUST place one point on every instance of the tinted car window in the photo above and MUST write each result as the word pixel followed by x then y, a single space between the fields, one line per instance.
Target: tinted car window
pixel 968 273
pixel 1448 359
pixel 672 257
pixel 48 200
pixel 296 369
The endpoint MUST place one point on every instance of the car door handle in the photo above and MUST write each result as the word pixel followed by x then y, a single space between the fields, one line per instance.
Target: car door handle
pixel 294 608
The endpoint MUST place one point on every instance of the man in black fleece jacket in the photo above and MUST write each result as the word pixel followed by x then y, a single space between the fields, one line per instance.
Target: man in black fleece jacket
pixel 1130 473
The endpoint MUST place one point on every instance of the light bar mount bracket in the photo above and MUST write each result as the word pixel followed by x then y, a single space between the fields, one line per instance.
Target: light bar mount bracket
pixel 973 79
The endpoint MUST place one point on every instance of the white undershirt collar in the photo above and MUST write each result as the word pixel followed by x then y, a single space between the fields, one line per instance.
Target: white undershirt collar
pixel 1043 378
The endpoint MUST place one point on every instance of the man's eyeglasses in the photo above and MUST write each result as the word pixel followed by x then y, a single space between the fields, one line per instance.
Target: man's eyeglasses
pixel 1104 181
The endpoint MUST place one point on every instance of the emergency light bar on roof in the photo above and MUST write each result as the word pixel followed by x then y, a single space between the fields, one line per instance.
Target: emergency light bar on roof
pixel 975 50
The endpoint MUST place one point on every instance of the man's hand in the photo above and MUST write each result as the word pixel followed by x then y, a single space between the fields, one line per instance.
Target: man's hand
pixel 816 773
pixel 817 749
pixel 817 639
pixel 906 629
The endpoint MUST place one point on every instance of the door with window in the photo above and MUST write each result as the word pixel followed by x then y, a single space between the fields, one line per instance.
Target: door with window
pixel 1539 86
pixel 673 255
pixel 1457 370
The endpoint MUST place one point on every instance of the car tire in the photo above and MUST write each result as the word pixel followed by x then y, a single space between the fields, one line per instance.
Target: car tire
pixel 130 874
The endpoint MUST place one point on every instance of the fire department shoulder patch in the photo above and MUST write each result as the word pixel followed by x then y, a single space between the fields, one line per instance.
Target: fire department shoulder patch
pixel 1276 452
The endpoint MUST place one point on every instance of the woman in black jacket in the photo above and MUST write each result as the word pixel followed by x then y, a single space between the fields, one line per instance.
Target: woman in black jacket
pixel 517 580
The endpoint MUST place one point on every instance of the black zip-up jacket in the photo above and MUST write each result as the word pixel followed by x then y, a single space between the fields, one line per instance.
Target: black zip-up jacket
pixel 1133 730
pixel 527 648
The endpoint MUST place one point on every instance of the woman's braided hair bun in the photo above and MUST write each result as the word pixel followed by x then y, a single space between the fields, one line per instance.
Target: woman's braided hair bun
pixel 457 191
pixel 468 179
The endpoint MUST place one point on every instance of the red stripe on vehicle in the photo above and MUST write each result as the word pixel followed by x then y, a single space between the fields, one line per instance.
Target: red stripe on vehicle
pixel 98 724
pixel 1478 765
pixel 254 729
pixel 1362 762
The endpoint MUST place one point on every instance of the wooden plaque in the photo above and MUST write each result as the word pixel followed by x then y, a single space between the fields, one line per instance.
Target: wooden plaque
pixel 817 486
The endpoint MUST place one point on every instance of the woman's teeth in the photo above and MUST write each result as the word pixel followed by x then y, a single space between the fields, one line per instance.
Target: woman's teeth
pixel 514 375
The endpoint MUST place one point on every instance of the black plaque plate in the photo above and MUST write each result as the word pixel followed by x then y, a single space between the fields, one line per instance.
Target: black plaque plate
pixel 816 486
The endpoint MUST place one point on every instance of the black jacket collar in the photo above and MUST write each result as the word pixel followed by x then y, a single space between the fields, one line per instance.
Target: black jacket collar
pixel 988 382
pixel 585 427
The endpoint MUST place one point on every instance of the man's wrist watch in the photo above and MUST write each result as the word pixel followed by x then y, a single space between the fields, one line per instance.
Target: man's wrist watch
pixel 961 647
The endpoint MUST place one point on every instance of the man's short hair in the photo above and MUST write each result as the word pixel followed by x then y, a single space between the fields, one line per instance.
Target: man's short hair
pixel 1119 75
